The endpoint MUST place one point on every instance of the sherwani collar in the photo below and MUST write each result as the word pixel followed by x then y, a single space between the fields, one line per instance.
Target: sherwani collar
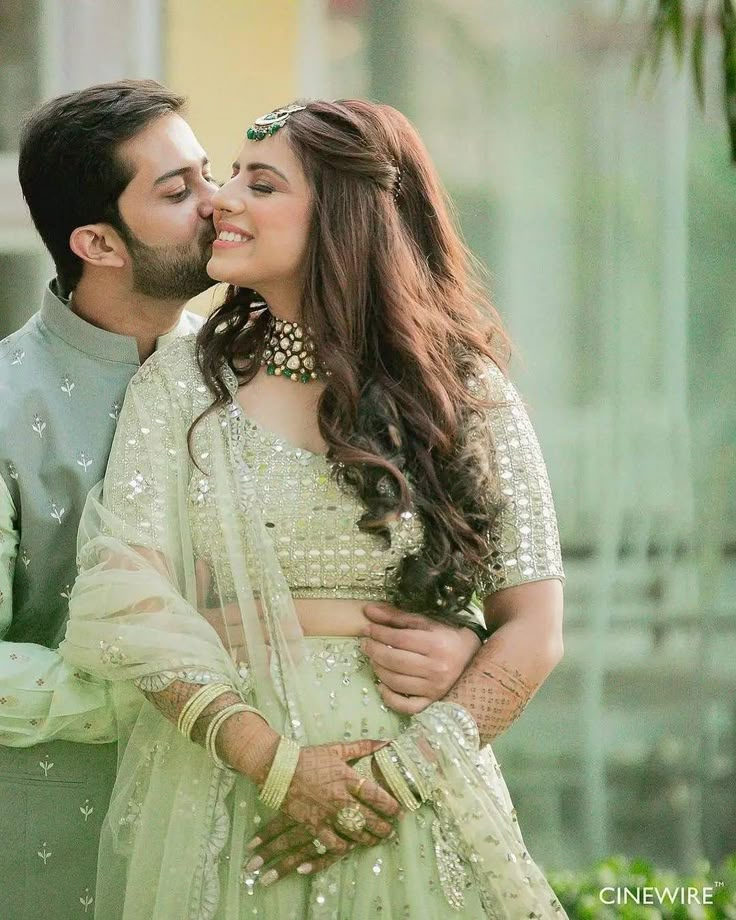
pixel 58 316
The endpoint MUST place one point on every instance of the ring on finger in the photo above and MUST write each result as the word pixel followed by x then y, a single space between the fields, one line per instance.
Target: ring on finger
pixel 319 846
pixel 350 818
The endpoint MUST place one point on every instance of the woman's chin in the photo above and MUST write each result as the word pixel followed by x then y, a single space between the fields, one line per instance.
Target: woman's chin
pixel 219 272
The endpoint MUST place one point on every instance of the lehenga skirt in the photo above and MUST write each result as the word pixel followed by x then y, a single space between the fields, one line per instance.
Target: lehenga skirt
pixel 424 871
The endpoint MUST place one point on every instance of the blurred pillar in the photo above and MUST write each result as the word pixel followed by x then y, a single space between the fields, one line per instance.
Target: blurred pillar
pixel 95 41
pixel 390 53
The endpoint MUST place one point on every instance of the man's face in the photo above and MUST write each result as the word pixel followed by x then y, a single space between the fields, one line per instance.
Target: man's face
pixel 166 212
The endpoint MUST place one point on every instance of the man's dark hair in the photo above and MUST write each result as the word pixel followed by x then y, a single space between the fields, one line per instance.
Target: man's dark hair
pixel 69 168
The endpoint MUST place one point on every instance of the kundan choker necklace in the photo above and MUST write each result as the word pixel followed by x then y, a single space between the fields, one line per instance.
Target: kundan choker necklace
pixel 290 351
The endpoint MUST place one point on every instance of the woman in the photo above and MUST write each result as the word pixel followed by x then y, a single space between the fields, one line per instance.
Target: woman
pixel 224 572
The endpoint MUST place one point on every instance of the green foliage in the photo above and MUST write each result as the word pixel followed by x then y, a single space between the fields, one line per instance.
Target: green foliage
pixel 580 893
pixel 672 22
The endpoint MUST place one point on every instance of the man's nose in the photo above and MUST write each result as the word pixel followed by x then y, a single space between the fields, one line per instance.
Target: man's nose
pixel 206 208
pixel 227 199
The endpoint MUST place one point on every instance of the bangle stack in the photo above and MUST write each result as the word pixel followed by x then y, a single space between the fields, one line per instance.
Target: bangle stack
pixel 216 723
pixel 281 773
pixel 389 762
pixel 196 705
pixel 410 772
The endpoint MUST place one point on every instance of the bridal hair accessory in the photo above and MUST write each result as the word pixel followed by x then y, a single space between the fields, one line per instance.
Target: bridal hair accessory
pixel 397 180
pixel 268 125
pixel 290 351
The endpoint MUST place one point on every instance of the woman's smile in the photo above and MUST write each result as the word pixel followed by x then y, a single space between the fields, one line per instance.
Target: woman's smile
pixel 229 235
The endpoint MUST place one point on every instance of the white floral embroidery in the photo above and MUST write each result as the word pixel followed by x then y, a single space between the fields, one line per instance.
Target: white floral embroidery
pixel 44 854
pixel 67 385
pixel 39 426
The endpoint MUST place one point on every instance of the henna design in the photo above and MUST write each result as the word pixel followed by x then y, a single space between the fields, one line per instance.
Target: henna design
pixel 493 691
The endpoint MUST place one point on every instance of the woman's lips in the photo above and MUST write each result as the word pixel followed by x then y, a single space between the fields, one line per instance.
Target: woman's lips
pixel 229 236
pixel 230 244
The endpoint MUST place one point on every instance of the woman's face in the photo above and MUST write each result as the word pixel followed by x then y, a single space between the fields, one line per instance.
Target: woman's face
pixel 262 217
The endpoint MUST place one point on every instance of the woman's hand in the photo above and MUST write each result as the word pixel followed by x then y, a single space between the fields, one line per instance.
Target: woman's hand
pixel 322 786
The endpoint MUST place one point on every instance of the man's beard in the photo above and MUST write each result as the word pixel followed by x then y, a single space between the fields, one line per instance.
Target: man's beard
pixel 170 272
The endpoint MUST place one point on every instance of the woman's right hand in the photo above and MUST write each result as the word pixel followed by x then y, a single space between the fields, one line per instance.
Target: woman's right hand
pixel 323 784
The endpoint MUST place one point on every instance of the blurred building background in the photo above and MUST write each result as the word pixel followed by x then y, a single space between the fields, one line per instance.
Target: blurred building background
pixel 607 217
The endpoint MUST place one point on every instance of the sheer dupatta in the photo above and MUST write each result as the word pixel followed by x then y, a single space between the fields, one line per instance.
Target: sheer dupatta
pixel 148 607
pixel 158 600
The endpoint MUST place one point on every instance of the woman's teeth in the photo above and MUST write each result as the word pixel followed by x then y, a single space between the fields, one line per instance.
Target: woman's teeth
pixel 227 237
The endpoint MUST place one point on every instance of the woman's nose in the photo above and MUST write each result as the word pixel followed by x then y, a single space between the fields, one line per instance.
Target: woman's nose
pixel 225 199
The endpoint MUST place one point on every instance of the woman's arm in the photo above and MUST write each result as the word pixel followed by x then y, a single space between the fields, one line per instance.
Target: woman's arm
pixel 524 648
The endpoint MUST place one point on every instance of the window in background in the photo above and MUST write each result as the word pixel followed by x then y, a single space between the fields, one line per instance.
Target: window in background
pixel 22 263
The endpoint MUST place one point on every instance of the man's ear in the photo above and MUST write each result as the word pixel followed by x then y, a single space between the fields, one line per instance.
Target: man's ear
pixel 99 245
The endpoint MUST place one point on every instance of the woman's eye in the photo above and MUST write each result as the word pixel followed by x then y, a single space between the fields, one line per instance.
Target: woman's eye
pixel 179 196
pixel 262 189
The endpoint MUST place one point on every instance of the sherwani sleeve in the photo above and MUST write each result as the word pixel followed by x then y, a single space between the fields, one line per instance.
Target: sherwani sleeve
pixel 41 696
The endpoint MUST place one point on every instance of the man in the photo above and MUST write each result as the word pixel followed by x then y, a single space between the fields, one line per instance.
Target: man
pixel 119 189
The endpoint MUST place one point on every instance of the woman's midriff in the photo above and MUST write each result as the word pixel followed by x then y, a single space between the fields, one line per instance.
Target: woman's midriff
pixel 330 616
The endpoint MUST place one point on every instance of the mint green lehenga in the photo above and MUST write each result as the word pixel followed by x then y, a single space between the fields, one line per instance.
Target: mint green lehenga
pixel 173 556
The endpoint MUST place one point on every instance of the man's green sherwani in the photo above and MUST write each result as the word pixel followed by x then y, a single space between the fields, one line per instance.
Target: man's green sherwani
pixel 62 383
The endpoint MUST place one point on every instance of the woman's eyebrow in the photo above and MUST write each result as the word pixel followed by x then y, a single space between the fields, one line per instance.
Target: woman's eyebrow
pixel 252 167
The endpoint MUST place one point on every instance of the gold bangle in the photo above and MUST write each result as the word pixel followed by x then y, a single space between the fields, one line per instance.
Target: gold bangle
pixel 193 700
pixel 396 782
pixel 197 703
pixel 281 773
pixel 216 723
pixel 410 772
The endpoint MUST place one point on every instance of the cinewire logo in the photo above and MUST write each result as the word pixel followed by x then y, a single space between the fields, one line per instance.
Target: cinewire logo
pixel 651 895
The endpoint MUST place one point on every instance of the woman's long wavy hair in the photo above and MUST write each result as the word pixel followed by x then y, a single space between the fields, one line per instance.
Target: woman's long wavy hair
pixel 400 320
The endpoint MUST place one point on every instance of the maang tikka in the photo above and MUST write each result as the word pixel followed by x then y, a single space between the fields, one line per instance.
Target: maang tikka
pixel 268 125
